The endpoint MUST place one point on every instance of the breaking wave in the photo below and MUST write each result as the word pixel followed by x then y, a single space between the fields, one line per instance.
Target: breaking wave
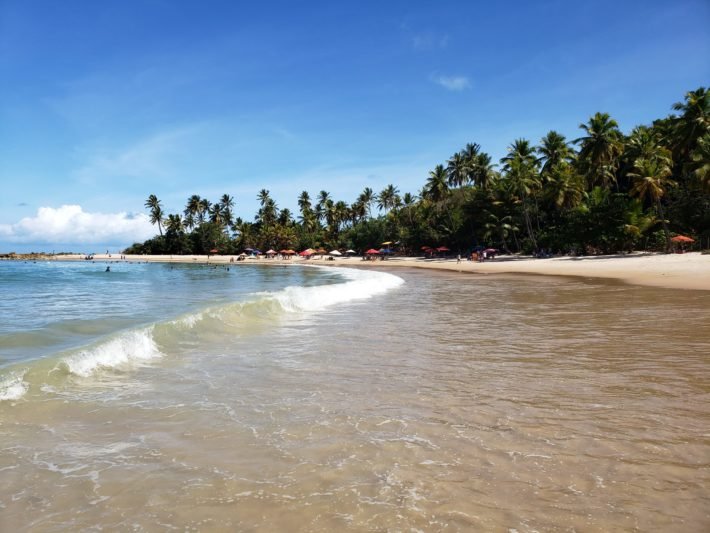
pixel 13 386
pixel 134 348
pixel 124 351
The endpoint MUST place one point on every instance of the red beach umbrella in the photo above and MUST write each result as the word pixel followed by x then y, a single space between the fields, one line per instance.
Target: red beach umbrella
pixel 442 249
pixel 372 251
pixel 682 238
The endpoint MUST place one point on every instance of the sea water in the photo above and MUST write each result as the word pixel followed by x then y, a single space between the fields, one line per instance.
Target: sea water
pixel 289 398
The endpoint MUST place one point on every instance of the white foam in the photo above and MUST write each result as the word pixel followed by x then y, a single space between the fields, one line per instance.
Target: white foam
pixel 13 386
pixel 360 285
pixel 126 350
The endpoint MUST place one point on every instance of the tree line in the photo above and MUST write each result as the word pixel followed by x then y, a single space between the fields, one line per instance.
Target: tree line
pixel 603 192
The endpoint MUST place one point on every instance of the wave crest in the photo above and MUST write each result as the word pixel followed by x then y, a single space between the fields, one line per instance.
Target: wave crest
pixel 126 350
pixel 359 285
pixel 13 386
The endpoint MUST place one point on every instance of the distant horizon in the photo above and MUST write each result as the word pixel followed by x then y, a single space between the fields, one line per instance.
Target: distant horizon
pixel 105 105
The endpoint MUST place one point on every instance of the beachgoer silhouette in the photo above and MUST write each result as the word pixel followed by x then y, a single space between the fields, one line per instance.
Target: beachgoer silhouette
pixel 108 269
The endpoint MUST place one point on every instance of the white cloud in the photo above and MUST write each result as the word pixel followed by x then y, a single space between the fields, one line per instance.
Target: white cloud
pixel 70 224
pixel 451 83
pixel 148 158
pixel 429 41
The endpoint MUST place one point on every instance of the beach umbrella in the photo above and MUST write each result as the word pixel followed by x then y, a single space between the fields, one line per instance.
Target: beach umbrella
pixel 283 252
pixel 350 252
pixel 490 250
pixel 306 253
pixel 372 251
pixel 386 251
pixel 214 251
pixel 425 248
pixel 270 252
pixel 335 252
pixel 386 243
pixel 442 249
pixel 682 238
pixel 290 252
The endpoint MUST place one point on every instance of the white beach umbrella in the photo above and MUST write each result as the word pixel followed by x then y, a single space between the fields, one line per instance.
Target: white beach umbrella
pixel 335 252
pixel 350 252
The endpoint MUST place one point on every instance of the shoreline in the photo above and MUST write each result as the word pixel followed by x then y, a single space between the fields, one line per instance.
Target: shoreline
pixel 689 271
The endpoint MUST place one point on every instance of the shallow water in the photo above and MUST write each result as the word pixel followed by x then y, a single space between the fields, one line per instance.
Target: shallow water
pixel 448 403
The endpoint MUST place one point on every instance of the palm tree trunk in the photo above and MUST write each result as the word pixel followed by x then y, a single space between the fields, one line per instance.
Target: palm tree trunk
pixel 528 224
pixel 665 225
pixel 502 240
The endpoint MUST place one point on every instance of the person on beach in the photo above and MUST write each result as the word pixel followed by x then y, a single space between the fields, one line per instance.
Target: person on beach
pixel 458 259
pixel 108 269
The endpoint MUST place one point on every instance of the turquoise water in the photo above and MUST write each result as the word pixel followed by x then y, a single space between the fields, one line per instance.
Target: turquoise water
pixel 48 307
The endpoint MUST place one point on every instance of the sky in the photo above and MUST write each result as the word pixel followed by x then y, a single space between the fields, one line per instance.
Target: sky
pixel 105 103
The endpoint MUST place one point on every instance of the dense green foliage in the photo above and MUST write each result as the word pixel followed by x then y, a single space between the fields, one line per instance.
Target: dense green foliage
pixel 604 192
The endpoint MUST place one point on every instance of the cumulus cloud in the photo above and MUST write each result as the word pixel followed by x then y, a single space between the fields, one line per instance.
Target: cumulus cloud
pixel 452 83
pixel 70 224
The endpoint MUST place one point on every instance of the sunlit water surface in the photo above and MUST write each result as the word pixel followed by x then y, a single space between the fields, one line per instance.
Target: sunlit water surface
pixel 449 402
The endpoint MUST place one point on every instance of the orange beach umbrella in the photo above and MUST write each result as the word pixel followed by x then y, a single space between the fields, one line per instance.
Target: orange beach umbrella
pixel 682 238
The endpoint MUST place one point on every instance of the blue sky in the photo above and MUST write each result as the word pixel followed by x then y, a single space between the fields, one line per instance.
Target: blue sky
pixel 104 103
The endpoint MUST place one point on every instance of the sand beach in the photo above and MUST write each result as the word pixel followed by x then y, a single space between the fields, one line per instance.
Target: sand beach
pixel 676 271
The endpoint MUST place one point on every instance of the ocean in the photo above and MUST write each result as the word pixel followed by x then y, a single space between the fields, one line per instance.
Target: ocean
pixel 297 398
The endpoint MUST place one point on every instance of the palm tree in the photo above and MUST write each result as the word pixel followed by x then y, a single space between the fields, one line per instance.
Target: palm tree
pixel 217 214
pixel 204 209
pixel 227 205
pixel 156 211
pixel 693 123
pixel 641 142
pixel 193 209
pixel 700 158
pixel 341 214
pixel 263 197
pixel 308 218
pixel 367 197
pixel 388 198
pixel 321 205
pixel 520 166
pixel 500 227
pixel 174 224
pixel 285 217
pixel 268 213
pixel 600 149
pixel 564 187
pixel 482 173
pixel 651 181
pixel 358 211
pixel 189 221
pixel 436 188
pixel 553 150
pixel 457 169
pixel 304 201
